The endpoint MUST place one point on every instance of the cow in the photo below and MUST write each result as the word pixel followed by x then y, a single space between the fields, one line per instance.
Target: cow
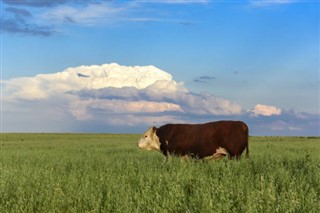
pixel 212 140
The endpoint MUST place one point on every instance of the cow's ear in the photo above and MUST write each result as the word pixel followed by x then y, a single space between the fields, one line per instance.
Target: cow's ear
pixel 154 129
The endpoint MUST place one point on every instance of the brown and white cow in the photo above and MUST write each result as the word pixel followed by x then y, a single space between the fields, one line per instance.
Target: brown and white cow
pixel 212 140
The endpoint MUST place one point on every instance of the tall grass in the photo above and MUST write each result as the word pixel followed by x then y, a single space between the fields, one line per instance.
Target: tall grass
pixel 108 173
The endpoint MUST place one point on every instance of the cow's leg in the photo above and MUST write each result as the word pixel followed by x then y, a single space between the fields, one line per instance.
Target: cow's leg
pixel 238 157
pixel 168 158
pixel 215 156
pixel 220 153
pixel 184 158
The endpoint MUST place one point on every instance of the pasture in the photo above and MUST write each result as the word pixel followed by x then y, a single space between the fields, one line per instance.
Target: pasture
pixel 108 173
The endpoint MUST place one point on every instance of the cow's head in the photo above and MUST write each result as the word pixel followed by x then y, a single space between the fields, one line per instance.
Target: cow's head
pixel 149 140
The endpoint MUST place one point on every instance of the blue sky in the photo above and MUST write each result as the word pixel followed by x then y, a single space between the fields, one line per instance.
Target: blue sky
pixel 251 53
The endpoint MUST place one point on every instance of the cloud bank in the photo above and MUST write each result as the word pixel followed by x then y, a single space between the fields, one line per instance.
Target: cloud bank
pixel 115 98
pixel 115 94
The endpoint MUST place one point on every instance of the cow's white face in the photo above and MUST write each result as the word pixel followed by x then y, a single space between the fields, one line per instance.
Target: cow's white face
pixel 149 140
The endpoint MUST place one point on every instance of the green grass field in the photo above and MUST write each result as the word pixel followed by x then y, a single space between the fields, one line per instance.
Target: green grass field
pixel 108 173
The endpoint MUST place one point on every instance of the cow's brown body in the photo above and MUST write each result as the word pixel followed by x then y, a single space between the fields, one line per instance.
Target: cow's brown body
pixel 202 140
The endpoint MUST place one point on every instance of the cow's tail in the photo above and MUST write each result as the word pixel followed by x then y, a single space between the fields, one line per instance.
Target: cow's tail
pixel 247 151
pixel 247 141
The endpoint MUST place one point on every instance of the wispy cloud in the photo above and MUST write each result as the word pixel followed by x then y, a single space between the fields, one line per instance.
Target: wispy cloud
pixel 45 18
pixel 18 13
pixel 183 1
pixel 91 14
pixel 267 3
pixel 21 27
pixel 20 21
pixel 33 3
pixel 204 79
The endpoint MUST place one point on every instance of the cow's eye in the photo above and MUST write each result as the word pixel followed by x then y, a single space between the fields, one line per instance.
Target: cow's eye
pixel 145 136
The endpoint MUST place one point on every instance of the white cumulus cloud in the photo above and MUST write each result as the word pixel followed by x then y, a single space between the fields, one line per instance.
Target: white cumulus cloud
pixel 110 92
pixel 84 77
pixel 266 110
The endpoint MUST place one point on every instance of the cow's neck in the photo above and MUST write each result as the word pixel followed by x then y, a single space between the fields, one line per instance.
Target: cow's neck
pixel 156 144
pixel 162 145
